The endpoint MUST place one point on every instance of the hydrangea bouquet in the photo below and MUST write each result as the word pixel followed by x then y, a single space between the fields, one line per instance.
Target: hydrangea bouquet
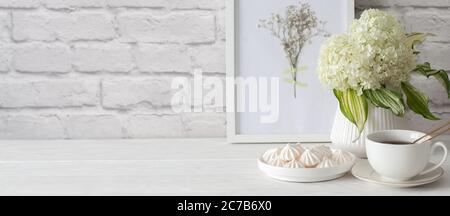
pixel 372 63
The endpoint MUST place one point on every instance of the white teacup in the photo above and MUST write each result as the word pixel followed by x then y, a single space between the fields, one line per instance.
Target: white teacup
pixel 400 162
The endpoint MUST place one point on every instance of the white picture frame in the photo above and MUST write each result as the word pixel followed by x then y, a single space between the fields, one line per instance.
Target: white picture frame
pixel 232 61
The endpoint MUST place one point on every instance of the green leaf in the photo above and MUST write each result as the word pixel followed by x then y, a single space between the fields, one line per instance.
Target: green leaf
pixel 354 107
pixel 387 99
pixel 302 68
pixel 293 71
pixel 293 82
pixel 441 75
pixel 289 71
pixel 343 107
pixel 416 38
pixel 301 85
pixel 417 101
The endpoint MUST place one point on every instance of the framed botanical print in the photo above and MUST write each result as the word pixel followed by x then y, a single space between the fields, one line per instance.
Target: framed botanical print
pixel 272 52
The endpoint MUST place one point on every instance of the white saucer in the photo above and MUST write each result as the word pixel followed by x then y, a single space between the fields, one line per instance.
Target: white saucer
pixel 304 175
pixel 363 171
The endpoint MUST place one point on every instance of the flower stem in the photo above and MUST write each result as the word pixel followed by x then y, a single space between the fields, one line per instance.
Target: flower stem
pixel 294 77
pixel 295 87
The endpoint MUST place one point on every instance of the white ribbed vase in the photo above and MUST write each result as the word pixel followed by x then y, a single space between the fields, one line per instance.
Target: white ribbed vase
pixel 344 132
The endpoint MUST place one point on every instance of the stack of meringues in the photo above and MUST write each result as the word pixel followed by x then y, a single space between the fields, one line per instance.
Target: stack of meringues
pixel 300 156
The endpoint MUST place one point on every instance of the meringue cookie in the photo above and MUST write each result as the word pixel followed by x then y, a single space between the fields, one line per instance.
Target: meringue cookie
pixel 271 154
pixel 289 153
pixel 277 162
pixel 342 157
pixel 323 151
pixel 310 159
pixel 326 163
pixel 299 147
pixel 294 164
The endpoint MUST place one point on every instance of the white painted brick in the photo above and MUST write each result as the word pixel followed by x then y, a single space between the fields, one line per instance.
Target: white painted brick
pixel 197 4
pixel 30 127
pixel 42 58
pixel 105 57
pixel 45 94
pixel 36 26
pixel 437 54
pixel 432 21
pixel 5 57
pixel 420 3
pixel 433 89
pixel 163 58
pixel 68 4
pixel 51 26
pixel 4 26
pixel 171 36
pixel 417 122
pixel 92 126
pixel 209 58
pixel 19 3
pixel 205 125
pixel 131 93
pixel 183 27
pixel 154 126
pixel 221 25
pixel 137 3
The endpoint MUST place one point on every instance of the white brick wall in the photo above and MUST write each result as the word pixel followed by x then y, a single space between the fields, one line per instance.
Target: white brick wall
pixel 31 127
pixel 92 126
pixel 82 69
pixel 48 94
pixel 19 4
pixel 68 4
pixel 52 26
pixel 41 58
pixel 107 57
pixel 172 27
pixel 163 58
pixel 127 94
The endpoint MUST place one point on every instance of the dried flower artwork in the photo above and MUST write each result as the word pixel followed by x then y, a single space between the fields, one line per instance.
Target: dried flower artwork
pixel 295 30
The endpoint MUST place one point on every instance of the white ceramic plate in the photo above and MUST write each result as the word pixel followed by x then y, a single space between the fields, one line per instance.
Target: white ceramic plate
pixel 304 174
pixel 363 171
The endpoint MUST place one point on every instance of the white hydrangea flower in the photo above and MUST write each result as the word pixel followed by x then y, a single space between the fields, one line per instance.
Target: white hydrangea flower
pixel 373 53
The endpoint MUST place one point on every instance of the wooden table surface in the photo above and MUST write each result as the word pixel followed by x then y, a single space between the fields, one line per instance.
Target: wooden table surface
pixel 162 167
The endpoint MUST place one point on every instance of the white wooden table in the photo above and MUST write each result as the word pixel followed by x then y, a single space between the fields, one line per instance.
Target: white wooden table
pixel 161 167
